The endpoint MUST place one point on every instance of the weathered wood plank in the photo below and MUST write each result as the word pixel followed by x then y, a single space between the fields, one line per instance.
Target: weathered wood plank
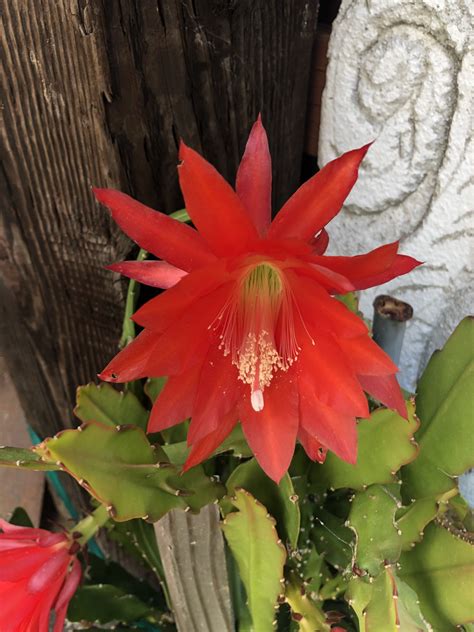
pixel 99 93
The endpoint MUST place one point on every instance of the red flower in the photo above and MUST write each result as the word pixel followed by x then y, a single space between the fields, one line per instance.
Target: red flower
pixel 249 329
pixel 39 573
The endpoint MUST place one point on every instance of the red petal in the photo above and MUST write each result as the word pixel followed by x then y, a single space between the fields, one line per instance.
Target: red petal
pixel 186 342
pixel 131 363
pixel 323 367
pixel 386 389
pixel 334 430
pixel 55 567
pixel 17 564
pixel 155 273
pixel 271 433
pixel 401 265
pixel 313 448
pixel 320 243
pixel 334 282
pixel 162 311
pixel 164 236
pixel 69 587
pixel 175 402
pixel 213 206
pixel 254 178
pixel 319 199
pixel 373 268
pixel 366 357
pixel 203 448
pixel 216 394
pixel 321 311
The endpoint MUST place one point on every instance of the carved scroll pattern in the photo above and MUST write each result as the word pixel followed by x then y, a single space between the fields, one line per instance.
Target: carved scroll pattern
pixel 401 72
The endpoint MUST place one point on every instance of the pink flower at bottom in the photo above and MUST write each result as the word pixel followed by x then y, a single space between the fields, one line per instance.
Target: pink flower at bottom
pixel 39 573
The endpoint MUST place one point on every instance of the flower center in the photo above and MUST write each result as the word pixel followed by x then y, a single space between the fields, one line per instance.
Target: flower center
pixel 257 328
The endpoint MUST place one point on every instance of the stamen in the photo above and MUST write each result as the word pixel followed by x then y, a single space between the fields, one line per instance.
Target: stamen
pixel 257 328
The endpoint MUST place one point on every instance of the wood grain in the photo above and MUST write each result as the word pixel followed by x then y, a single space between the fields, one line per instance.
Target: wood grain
pixel 192 551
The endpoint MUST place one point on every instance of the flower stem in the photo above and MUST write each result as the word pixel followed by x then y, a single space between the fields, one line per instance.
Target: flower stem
pixel 89 526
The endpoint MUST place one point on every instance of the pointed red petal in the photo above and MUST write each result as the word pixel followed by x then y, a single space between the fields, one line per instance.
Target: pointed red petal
pixel 254 178
pixel 155 273
pixel 313 448
pixel 386 389
pixel 319 199
pixel 401 265
pixel 213 206
pixel 186 342
pixel 366 357
pixel 69 587
pixel 161 235
pixel 55 567
pixel 130 364
pixel 373 268
pixel 321 311
pixel 332 281
pixel 203 448
pixel 175 402
pixel 323 367
pixel 271 433
pixel 320 243
pixel 334 430
pixel 162 311
pixel 216 394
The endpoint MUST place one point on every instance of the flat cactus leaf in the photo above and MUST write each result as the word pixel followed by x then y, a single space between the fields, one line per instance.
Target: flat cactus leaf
pixel 378 540
pixel 444 406
pixel 307 614
pixel 413 519
pixel 440 569
pixel 385 443
pixel 104 404
pixel 154 386
pixel 260 556
pixel 334 541
pixel 409 614
pixel 118 467
pixel 280 500
pixel 26 459
pixel 205 489
pixel 386 603
pixel 350 300
pixel 358 596
pixel 105 603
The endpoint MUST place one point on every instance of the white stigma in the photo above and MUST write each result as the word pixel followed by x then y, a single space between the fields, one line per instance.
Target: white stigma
pixel 256 400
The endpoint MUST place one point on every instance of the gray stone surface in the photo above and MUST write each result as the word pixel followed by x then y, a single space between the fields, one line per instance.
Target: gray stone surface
pixel 402 72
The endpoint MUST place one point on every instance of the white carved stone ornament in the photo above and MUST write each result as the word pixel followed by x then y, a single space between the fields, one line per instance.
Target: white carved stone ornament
pixel 401 72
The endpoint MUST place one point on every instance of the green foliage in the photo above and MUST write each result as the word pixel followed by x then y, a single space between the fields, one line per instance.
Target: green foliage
pixel 21 518
pixel 119 467
pixel 104 603
pixel 372 517
pixel 440 569
pixel 154 386
pixel 235 443
pixel 260 555
pixel 412 520
pixel 333 539
pixel 25 458
pixel 307 614
pixel 104 404
pixel 385 443
pixel 444 406
pixel 280 500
